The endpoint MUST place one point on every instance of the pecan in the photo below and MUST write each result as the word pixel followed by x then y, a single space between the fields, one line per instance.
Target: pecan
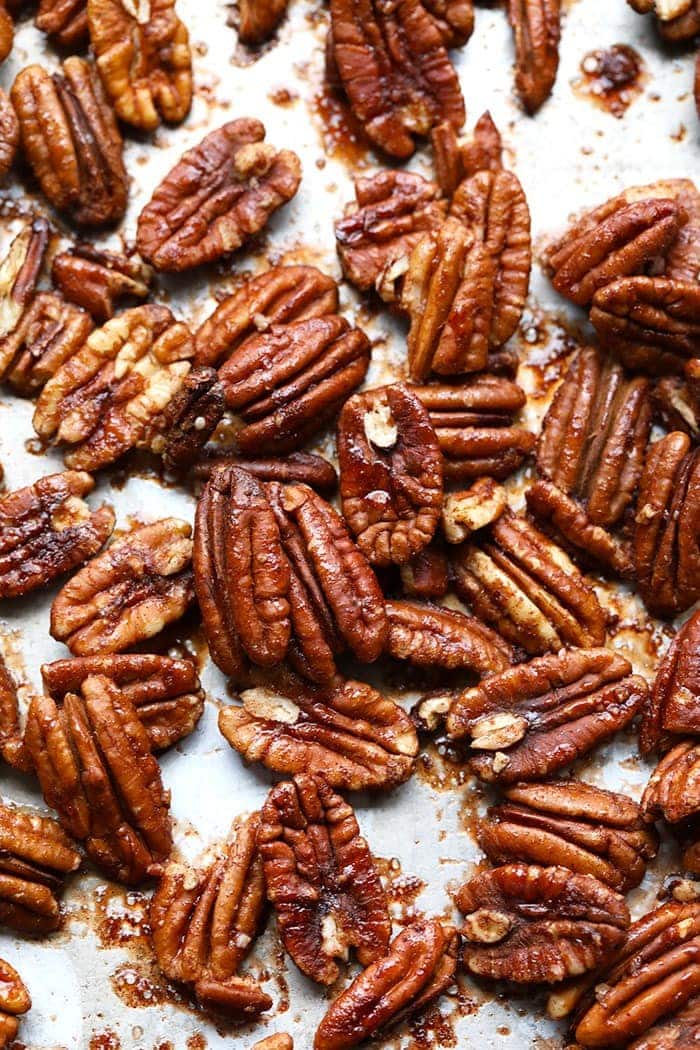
pixel 12 748
pixel 14 1001
pixel 217 196
pixel 165 692
pixel 7 32
pixel 466 512
pixel 279 1041
pixel 258 19
pixel 667 527
pixel 420 965
pixel 191 418
pixel 110 395
pixel 538 925
pixel 390 473
pixel 433 636
pixel 204 921
pixel 35 857
pixel 321 878
pixel 304 467
pixel 536 28
pixel 684 27
pixel 71 140
pixel 674 702
pixel 351 734
pixel 95 768
pixel 65 21
pixel 48 333
pixel 676 400
pixel 673 791
pixel 20 271
pixel 572 825
pixel 534 719
pixel 525 586
pixel 426 575
pixel 483 150
pixel 682 1030
pixel 47 529
pixel 395 70
pixel 130 592
pixel 97 279
pixel 454 18
pixel 9 134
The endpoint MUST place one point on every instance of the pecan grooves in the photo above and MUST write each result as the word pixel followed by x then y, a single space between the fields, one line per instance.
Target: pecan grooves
pixel 12 748
pixel 454 18
pixel 434 636
pixel 536 28
pixel 20 271
pixel 48 333
pixel 191 417
pixel 97 280
pixel 9 134
pixel 258 19
pixel 674 702
pixel 304 467
pixel 65 21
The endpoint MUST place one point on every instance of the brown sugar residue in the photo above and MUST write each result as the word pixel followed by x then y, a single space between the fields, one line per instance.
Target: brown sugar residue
pixel 121 918
pixel 612 78
pixel 402 890
pixel 139 986
pixel 196 1042
pixel 282 96
pixel 341 132
pixel 104 1041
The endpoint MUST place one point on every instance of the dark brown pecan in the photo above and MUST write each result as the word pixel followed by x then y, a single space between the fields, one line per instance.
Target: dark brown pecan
pixel 674 702
pixel 258 19
pixel 667 527
pixel 130 592
pixel 217 196
pixel 466 512
pixel 390 473
pixel 165 692
pixel 454 18
pixel 572 825
pixel 525 586
pixel 9 134
pixel 534 719
pixel 191 418
pixel 49 332
pixel 655 974
pixel 71 140
pixel 47 529
pixel 536 27
pixel 395 70
pixel 110 395
pixel 676 400
pixel 12 748
pixel 20 271
pixel 204 921
pixel 681 261
pixel 538 925
pixel 95 767
pixel 14 1001
pixel 65 21
pixel 351 734
pixel 144 60
pixel 426 575
pixel 35 857
pixel 321 878
pixel 420 965
pixel 97 279
pixel 391 213
pixel 304 467
pixel 433 636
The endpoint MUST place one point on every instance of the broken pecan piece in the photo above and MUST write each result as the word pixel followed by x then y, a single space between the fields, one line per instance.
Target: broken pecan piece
pixel 20 271
pixel 426 575
pixel 673 791
pixel 536 27
pixel 434 636
pixel 466 512
pixel 676 400
pixel 65 21
pixel 97 279
pixel 454 19
pixel 258 19
pixel 279 1041
pixel 48 333
pixel 219 194
pixel 304 467
pixel 14 1001
pixel 674 702
pixel 9 134
pixel 321 878
pixel 191 417
pixel 12 748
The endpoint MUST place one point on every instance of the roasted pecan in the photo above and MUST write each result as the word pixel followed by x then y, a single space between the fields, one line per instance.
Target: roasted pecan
pixel 20 271
pixel 573 825
pixel 673 791
pixel 667 527
pixel 97 279
pixel 47 529
pixel 9 134
pixel 525 586
pixel 204 921
pixel 676 20
pixel 217 196
pixel 538 925
pixel 682 1030
pixel 483 149
pixel 321 878
pixel 48 333
pixel 676 400
pixel 674 702
pixel 71 140
pixel 7 32
pixel 258 19
pixel 466 512
pixel 191 418
pixel 390 473
pixel 536 27
pixel 420 965
pixel 110 395
pixel 95 767
pixel 534 719
pixel 279 1041
pixel 12 748
pixel 14 1001
pixel 433 636
pixel 426 575
pixel 454 18
pixel 682 259
pixel 304 467
pixel 351 734
pixel 141 583
pixel 65 21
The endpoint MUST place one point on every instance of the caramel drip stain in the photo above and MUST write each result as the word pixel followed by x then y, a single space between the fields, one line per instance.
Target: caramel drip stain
pixel 196 1042
pixel 612 78
pixel 142 986
pixel 402 891
pixel 442 767
pixel 341 132
pixel 104 1041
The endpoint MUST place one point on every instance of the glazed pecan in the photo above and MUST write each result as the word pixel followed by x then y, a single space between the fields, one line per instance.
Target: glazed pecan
pixel 97 279
pixel 538 925
pixel 110 395
pixel 466 512
pixel 351 734
pixel 47 529
pixel 667 527
pixel 71 140
pixel 395 70
pixel 674 702
pixel 12 748
pixel 65 21
pixel 217 196
pixel 259 19
pixel 420 965
pixel 304 467
pixel 682 1030
pixel 390 473
pixel 534 719
pixel 35 857
pixel 433 636
pixel 204 921
pixel 20 271
pixel 426 575
pixel 676 400
pixel 673 791
pixel 572 825
pixel 524 585
pixel 191 417
pixel 7 32
pixel 454 18
pixel 141 583
pixel 536 27
pixel 14 1001
pixel 9 134
pixel 321 878
pixel 48 333
pixel 95 767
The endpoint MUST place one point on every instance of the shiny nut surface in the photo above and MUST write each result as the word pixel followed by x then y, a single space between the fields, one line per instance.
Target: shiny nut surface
pixel 434 636
pixel 674 702
pixel 536 29
pixel 99 280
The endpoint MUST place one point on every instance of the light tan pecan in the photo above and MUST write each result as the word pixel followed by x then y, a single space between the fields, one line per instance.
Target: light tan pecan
pixel 454 18
pixel 321 878
pixel 348 732
pixel 9 134
pixel 12 748
pixel 534 719
pixel 65 21
pixel 14 1001
pixel 48 333
pixel 420 965
pixel 97 279
pixel 191 417
pixel 426 575
pixel 279 1041
pixel 466 512
pixel 434 636
pixel 674 701
pixel 218 195
pixel 130 592
pixel 304 467
pixel 258 19
pixel 20 271
pixel 47 529
pixel 676 400
pixel 536 27
pixel 536 925
pixel 95 767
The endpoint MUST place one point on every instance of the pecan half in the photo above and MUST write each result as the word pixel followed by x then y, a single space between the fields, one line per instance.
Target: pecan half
pixel 65 21
pixel 351 734
pixel 9 134
pixel 676 400
pixel 218 195
pixel 7 32
pixel 14 1001
pixel 534 719
pixel 673 791
pixel 420 965
pixel 95 767
pixel 454 18
pixel 97 279
pixel 674 702
pixel 48 333
pixel 321 878
pixel 20 271
pixel 47 529
pixel 130 592
pixel 433 636
pixel 259 19
pixel 536 26
pixel 572 825
pixel 71 140
pixel 538 925
pixel 12 748
pixel 304 467
pixel 191 418
pixel 683 1029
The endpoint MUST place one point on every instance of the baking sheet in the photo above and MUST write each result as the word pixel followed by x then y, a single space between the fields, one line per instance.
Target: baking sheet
pixel 93 984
